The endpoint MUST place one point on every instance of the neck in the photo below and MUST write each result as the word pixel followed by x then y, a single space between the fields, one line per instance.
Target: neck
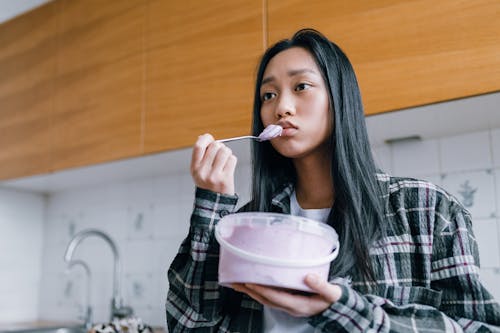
pixel 314 188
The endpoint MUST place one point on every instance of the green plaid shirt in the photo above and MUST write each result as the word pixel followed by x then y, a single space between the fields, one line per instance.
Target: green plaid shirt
pixel 426 268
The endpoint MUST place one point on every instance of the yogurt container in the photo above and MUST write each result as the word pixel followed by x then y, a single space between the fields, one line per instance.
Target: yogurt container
pixel 274 249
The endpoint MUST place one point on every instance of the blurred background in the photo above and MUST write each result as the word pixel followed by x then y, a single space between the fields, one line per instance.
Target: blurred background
pixel 100 102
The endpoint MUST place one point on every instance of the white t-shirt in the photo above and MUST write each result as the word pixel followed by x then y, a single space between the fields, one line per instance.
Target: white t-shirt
pixel 277 321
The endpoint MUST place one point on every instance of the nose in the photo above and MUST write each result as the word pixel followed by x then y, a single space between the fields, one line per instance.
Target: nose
pixel 285 107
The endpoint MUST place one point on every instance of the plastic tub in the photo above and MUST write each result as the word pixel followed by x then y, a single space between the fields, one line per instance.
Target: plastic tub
pixel 274 249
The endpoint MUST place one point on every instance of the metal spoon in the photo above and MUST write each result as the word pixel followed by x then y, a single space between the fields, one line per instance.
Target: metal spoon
pixel 270 132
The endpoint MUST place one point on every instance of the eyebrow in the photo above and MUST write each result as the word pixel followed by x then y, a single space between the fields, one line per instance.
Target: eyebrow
pixel 290 73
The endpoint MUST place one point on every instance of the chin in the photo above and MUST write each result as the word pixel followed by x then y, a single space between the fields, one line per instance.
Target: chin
pixel 295 150
pixel 289 151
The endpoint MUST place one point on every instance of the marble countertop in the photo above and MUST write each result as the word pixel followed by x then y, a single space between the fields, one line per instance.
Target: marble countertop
pixel 20 326
pixel 26 325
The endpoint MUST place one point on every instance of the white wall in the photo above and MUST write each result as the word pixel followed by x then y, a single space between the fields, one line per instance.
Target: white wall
pixel 21 234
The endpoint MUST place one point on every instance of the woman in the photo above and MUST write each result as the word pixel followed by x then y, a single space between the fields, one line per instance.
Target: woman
pixel 409 260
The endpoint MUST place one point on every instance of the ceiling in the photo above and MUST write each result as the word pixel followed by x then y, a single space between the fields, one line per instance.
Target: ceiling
pixel 12 8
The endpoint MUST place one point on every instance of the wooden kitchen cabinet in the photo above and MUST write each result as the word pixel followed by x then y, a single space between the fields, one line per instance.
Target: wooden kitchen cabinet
pixel 106 80
pixel 90 81
pixel 201 61
pixel 26 87
pixel 98 100
pixel 405 53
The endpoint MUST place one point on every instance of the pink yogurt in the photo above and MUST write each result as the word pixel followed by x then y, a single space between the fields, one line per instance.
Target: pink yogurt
pixel 274 249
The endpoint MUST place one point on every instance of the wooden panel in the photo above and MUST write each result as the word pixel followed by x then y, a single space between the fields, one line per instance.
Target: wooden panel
pixel 26 92
pixel 405 53
pixel 99 82
pixel 201 59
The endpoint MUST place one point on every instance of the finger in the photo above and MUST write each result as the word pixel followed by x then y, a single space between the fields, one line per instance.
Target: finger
pixel 199 149
pixel 294 304
pixel 230 165
pixel 221 158
pixel 330 292
pixel 236 286
pixel 209 157
pixel 259 297
pixel 297 305
pixel 243 288
pixel 202 171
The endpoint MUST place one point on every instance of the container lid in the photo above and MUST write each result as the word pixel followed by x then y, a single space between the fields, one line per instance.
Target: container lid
pixel 229 223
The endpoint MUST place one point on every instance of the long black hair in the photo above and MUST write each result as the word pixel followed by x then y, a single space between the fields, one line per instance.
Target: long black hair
pixel 357 214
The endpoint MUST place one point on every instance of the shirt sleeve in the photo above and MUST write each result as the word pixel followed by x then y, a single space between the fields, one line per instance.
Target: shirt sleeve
pixel 193 299
pixel 457 302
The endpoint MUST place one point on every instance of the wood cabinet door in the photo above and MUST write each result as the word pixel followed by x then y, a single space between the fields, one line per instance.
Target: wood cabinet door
pixel 26 88
pixel 201 62
pixel 98 100
pixel 405 53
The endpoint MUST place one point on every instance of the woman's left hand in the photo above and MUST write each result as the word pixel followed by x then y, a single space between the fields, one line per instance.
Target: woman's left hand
pixel 298 305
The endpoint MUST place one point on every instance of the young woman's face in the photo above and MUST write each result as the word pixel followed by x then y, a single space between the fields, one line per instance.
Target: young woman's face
pixel 294 95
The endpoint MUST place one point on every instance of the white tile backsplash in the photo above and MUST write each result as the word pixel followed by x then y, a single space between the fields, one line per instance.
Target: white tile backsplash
pixel 102 292
pixel 495 145
pixel 62 226
pixel 140 222
pixel 53 258
pixel 139 256
pixel 486 232
pixel 166 251
pixel 140 290
pixel 496 173
pixel 490 278
pixel 475 190
pixel 102 312
pixel 383 157
pixel 178 189
pixel 469 151
pixel 148 219
pixel 153 316
pixel 415 158
pixel 62 295
pixel 171 220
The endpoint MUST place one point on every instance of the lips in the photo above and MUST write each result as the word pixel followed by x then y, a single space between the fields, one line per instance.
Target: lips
pixel 286 125
pixel 289 128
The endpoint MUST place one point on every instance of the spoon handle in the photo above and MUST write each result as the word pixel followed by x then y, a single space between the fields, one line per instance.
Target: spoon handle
pixel 239 138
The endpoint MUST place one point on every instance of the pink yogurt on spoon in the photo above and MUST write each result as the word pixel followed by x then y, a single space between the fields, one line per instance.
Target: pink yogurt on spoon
pixel 270 132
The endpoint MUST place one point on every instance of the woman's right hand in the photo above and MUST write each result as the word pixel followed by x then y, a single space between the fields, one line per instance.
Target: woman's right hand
pixel 213 165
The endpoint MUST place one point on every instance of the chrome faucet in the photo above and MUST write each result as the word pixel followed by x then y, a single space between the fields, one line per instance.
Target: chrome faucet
pixel 118 310
pixel 88 309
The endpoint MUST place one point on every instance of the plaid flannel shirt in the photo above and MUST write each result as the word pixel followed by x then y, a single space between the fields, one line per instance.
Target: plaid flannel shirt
pixel 426 268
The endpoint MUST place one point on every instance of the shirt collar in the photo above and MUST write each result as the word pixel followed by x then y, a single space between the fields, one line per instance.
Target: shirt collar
pixel 281 200
pixel 384 181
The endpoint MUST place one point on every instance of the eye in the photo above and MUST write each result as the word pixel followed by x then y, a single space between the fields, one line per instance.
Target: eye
pixel 302 86
pixel 267 96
